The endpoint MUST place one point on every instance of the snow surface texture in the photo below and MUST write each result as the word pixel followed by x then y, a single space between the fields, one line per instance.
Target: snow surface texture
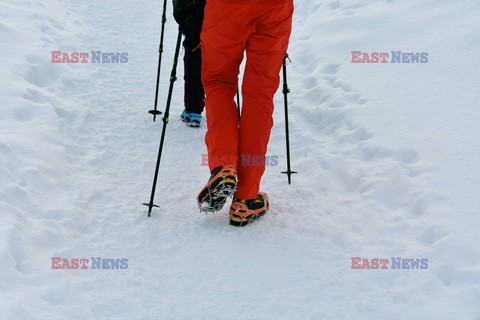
pixel 387 155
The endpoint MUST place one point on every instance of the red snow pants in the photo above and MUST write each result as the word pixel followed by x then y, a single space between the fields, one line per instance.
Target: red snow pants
pixel 261 29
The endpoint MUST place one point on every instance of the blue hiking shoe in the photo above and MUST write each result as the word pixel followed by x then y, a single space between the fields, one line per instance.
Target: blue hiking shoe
pixel 191 119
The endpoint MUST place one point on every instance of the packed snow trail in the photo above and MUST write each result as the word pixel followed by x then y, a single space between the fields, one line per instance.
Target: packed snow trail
pixel 77 156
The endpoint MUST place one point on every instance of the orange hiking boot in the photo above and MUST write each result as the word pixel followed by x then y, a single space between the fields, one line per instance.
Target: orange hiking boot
pixel 221 185
pixel 243 212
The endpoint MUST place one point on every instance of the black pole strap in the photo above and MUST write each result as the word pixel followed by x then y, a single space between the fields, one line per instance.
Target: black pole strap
pixel 286 91
pixel 155 112
pixel 173 78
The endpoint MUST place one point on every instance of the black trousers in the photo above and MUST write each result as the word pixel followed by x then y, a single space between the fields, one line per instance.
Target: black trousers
pixel 191 28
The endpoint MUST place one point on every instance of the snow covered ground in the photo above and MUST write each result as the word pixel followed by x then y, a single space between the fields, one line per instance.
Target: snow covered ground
pixel 387 154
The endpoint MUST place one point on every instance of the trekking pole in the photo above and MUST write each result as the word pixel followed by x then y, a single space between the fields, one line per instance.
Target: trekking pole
pixel 155 112
pixel 173 78
pixel 285 91
pixel 238 103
